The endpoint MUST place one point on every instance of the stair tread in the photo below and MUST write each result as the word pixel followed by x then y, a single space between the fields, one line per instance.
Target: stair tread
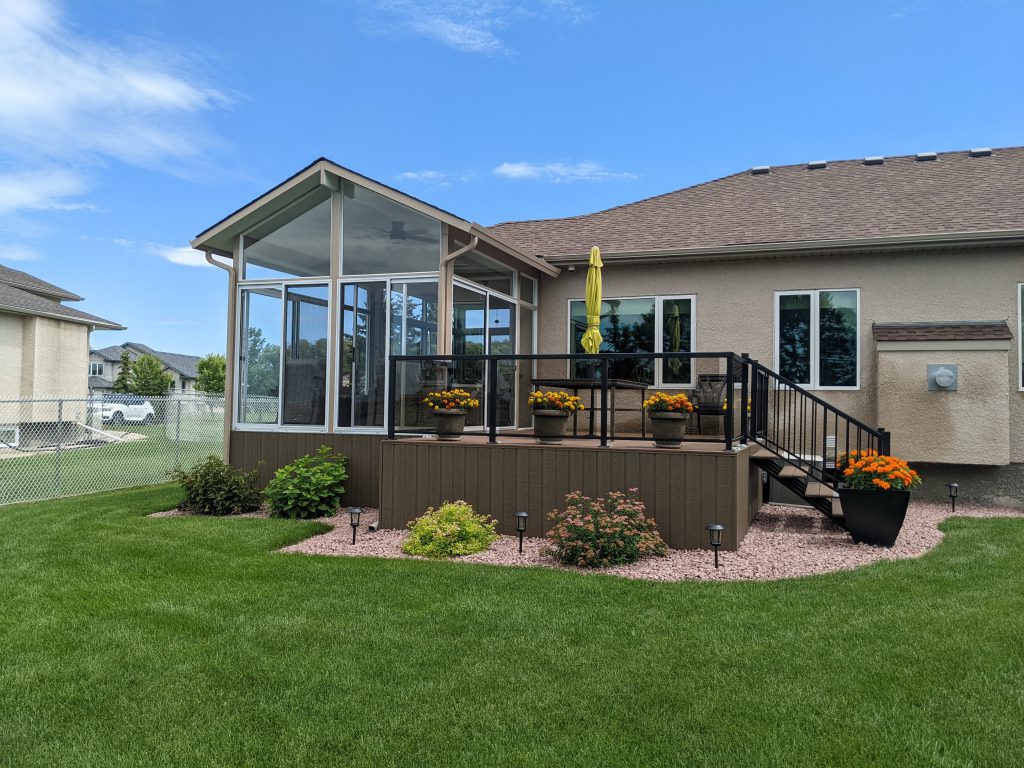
pixel 820 491
pixel 792 472
pixel 760 452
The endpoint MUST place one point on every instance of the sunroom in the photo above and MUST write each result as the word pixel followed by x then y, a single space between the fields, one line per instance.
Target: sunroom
pixel 335 273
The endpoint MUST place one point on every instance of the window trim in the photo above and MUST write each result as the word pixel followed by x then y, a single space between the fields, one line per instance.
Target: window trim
pixel 97 367
pixel 815 293
pixel 658 299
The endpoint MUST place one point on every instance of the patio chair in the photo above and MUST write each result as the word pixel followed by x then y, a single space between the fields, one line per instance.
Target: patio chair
pixel 708 397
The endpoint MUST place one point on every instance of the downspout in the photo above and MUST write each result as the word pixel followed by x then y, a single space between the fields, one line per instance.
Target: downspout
pixel 229 351
pixel 444 296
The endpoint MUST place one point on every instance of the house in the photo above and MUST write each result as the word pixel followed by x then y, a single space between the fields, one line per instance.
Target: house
pixel 844 296
pixel 44 345
pixel 105 364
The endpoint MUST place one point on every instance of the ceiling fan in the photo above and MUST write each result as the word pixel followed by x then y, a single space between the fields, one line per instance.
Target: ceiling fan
pixel 399 232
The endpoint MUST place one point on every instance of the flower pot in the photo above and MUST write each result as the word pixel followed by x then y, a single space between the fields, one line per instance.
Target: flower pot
pixel 549 426
pixel 668 428
pixel 450 423
pixel 874 517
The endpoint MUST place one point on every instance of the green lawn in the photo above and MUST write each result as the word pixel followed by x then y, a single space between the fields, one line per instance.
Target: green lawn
pixel 185 642
pixel 115 465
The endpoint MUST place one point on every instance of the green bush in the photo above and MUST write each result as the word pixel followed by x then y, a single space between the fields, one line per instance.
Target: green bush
pixel 451 530
pixel 308 487
pixel 597 533
pixel 215 488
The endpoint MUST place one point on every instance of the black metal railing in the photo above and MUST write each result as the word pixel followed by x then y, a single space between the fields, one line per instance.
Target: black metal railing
pixel 803 429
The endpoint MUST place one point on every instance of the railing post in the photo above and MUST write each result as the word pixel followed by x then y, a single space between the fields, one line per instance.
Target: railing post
pixel 60 442
pixel 728 419
pixel 604 403
pixel 492 400
pixel 744 396
pixel 392 375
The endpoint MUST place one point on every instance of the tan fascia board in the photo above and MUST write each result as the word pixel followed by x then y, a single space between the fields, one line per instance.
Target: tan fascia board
pixel 962 345
pixel 98 323
pixel 806 247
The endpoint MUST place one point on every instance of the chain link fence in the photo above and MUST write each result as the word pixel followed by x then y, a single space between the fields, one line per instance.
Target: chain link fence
pixel 54 448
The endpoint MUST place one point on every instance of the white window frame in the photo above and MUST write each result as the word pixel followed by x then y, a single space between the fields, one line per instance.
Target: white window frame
pixel 95 369
pixel 277 426
pixel 659 321
pixel 815 352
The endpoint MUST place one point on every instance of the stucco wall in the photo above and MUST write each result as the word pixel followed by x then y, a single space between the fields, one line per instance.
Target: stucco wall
pixel 55 358
pixel 10 356
pixel 735 306
pixel 967 425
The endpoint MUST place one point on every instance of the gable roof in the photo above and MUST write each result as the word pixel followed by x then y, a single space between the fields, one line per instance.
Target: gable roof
pixel 951 195
pixel 186 365
pixel 32 284
pixel 22 302
pixel 957 330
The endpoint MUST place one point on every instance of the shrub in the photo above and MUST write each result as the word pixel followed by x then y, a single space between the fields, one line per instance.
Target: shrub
pixel 451 530
pixel 215 488
pixel 597 533
pixel 308 487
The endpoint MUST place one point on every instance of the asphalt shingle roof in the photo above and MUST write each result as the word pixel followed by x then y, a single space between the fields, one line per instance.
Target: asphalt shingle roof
pixel 967 330
pixel 186 365
pixel 847 199
pixel 23 302
pixel 33 284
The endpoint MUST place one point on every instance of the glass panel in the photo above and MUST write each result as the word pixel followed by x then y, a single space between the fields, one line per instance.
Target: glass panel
pixel 527 289
pixel 501 336
pixel 837 338
pixel 468 329
pixel 305 355
pixel 414 332
pixel 676 336
pixel 260 359
pixel 295 242
pixel 795 337
pixel 627 325
pixel 526 368
pixel 363 365
pixel 485 271
pixel 382 236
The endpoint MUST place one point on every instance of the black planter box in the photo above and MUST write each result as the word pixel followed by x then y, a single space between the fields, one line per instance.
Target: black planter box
pixel 874 517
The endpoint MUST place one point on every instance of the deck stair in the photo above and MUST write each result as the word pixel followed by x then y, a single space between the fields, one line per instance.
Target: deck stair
pixel 796 437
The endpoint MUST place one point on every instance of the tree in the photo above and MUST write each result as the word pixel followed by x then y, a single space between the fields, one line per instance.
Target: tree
pixel 211 374
pixel 148 378
pixel 122 384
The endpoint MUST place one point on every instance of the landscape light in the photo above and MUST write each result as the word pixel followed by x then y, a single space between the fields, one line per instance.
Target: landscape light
pixel 521 527
pixel 954 489
pixel 715 532
pixel 353 515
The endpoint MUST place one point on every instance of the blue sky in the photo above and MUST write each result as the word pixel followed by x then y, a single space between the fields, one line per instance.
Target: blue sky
pixel 128 127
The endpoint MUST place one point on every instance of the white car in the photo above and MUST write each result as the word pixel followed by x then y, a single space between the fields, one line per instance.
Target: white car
pixel 131 412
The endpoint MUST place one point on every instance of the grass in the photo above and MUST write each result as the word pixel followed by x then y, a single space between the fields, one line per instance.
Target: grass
pixel 184 642
pixel 114 465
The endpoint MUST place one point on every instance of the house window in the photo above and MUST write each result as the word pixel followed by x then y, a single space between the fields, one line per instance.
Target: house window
pixel 817 337
pixel 294 242
pixel 649 324
pixel 95 369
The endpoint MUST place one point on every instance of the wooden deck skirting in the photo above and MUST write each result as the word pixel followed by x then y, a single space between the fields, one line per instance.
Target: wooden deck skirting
pixel 684 489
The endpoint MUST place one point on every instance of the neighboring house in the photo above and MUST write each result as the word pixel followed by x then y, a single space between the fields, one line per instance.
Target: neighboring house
pixel 105 364
pixel 44 346
pixel 849 279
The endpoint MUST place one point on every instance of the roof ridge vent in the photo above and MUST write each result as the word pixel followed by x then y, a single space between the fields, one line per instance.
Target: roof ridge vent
pixel 926 156
pixel 980 152
pixel 817 164
pixel 874 160
pixel 759 169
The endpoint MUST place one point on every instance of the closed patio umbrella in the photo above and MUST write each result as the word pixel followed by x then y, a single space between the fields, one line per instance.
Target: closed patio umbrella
pixel 675 338
pixel 591 341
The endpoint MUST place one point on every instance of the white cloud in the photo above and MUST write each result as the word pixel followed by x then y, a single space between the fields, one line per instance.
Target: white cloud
pixel 471 26
pixel 71 102
pixel 47 189
pixel 442 178
pixel 18 253
pixel 184 256
pixel 585 171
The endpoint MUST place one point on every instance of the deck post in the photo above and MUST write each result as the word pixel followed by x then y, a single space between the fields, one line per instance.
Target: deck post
pixel 728 416
pixel 390 409
pixel 492 400
pixel 604 402
pixel 744 395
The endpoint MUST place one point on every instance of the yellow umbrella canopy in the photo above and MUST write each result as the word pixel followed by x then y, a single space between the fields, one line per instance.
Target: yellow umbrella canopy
pixel 592 337
pixel 675 337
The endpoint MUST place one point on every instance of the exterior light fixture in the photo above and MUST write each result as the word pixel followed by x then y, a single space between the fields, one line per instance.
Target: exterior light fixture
pixel 353 514
pixel 521 527
pixel 954 489
pixel 715 532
